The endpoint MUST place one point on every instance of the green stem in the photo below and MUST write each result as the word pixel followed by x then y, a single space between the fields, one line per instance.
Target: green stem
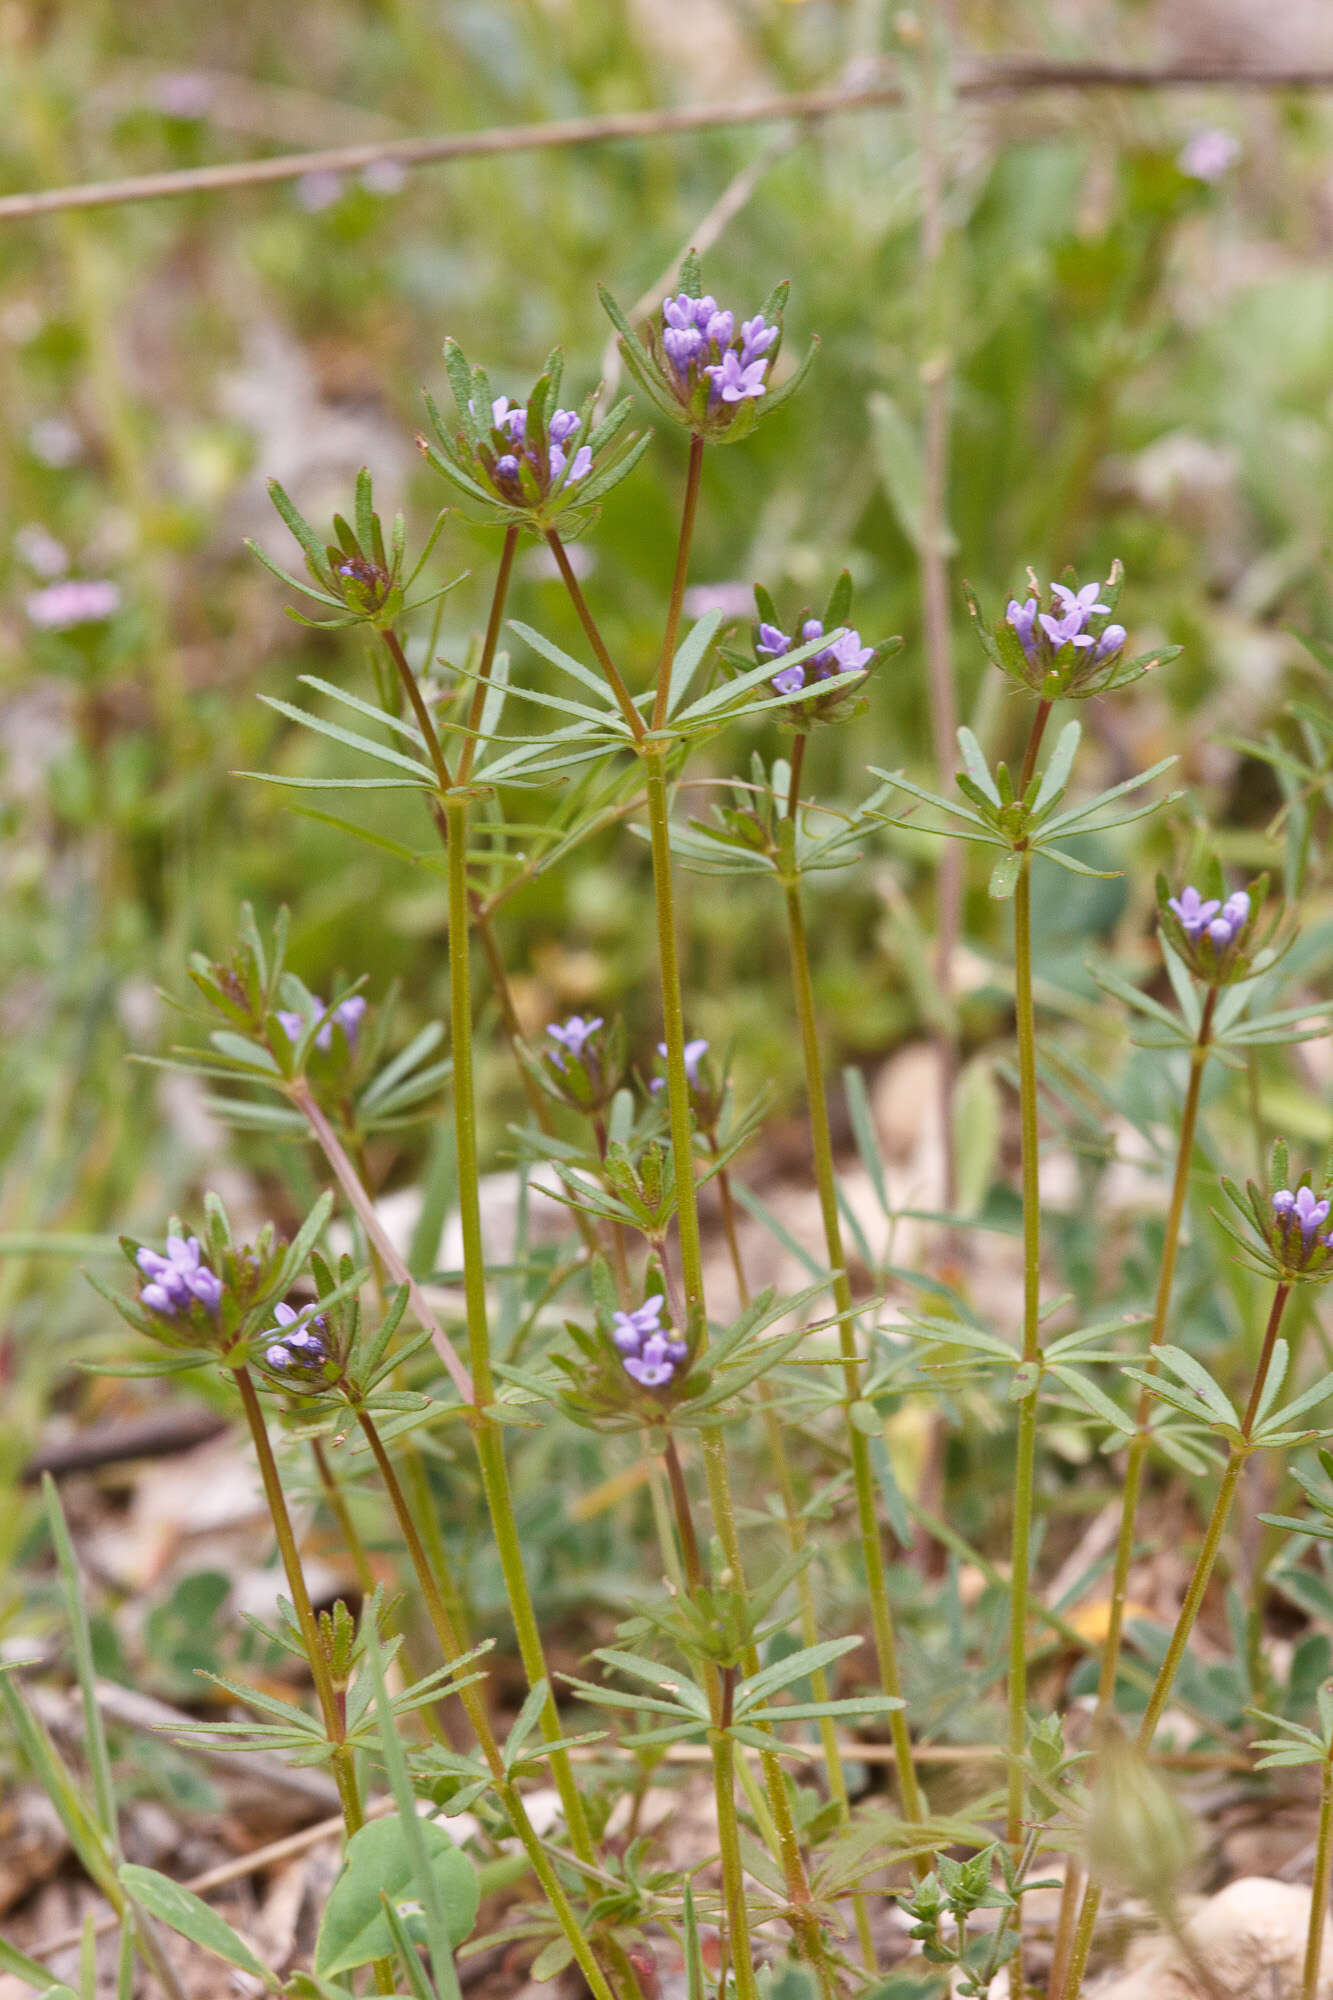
pixel 1200 1578
pixel 673 1023
pixel 425 721
pixel 467 756
pixel 1025 1470
pixel 336 1501
pixel 475 1708
pixel 728 1834
pixel 821 1138
pixel 330 1705
pixel 795 1526
pixel 1323 1856
pixel 594 637
pixel 1138 1448
pixel 678 580
pixel 485 1431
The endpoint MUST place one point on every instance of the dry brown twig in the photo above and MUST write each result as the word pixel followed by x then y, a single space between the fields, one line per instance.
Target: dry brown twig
pixel 1008 77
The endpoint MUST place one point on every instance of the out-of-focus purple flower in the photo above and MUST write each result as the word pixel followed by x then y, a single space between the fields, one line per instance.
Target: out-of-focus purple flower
pixel 74 601
pixel 1208 154
pixel 694 1053
pixel 319 190
pixel 347 1014
pixel 38 548
pixel 178 1279
pixel 572 1035
pixel 184 93
pixel 384 177
pixel 56 442
pixel 733 600
pixel 650 1356
pixel 303 1348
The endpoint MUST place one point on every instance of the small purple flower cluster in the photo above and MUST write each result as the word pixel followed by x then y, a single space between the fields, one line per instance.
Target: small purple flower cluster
pixel 1068 628
pixel 650 1356
pixel 701 343
pixel 571 1036
pixel 694 1053
pixel 347 1014
pixel 1221 922
pixel 1298 1217
pixel 510 420
pixel 305 1348
pixel 177 1280
pixel 843 655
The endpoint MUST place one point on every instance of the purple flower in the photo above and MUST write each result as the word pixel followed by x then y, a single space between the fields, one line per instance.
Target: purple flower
pixel 1081 602
pixel 733 380
pixel 510 421
pixel 630 1329
pixel 1208 154
pixel 73 602
pixel 304 1348
pixel 572 1036
pixel 694 1054
pixel 1221 923
pixel 1023 618
pixel 347 1014
pixel 1111 641
pixel 1300 1212
pixel 180 1278
pixel 649 1355
pixel 756 339
pixel 700 341
pixel 843 655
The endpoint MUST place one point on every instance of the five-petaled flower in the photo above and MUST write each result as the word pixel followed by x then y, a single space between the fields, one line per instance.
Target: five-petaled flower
pixel 177 1280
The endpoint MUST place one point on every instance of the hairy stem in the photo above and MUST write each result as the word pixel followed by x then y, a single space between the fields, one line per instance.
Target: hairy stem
pixel 821 1138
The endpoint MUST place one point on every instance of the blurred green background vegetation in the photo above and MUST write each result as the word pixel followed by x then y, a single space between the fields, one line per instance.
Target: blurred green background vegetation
pixel 1142 367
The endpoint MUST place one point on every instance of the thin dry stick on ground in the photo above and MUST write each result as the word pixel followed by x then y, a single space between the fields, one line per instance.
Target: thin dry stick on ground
pixel 994 79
